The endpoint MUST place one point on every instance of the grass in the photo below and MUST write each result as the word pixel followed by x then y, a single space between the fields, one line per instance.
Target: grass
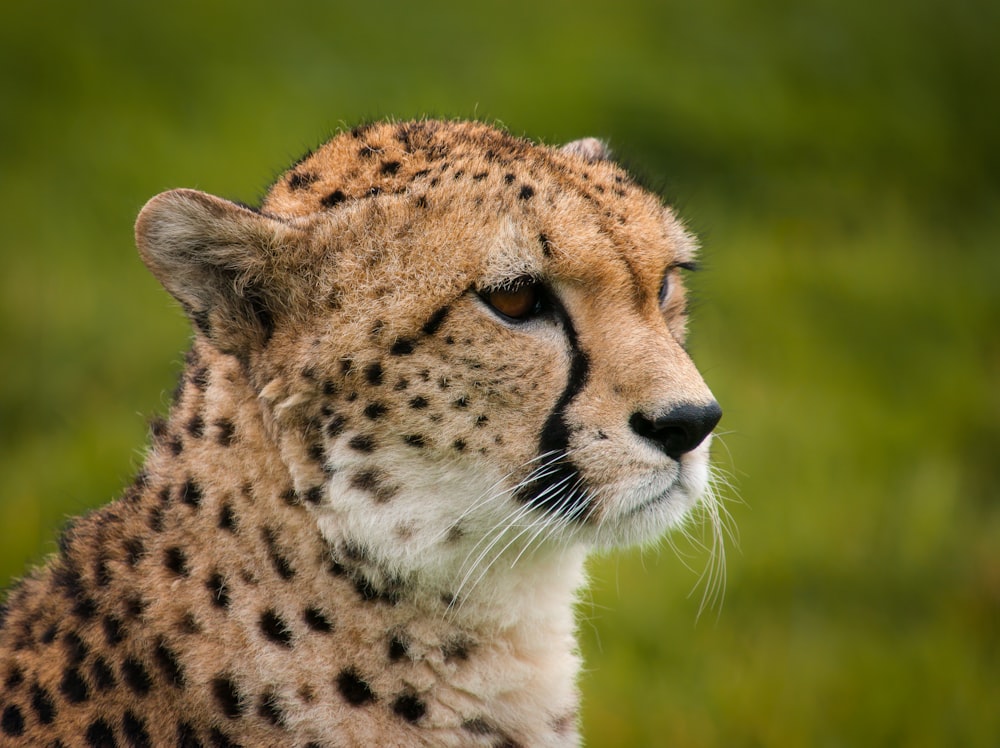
pixel 839 160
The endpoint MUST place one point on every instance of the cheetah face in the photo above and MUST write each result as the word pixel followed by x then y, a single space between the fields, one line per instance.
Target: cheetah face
pixel 463 343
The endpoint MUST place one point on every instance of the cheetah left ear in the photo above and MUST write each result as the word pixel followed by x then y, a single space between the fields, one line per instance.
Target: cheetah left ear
pixel 220 260
pixel 590 150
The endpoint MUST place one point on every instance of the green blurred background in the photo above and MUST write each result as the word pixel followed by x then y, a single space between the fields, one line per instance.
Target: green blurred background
pixel 839 158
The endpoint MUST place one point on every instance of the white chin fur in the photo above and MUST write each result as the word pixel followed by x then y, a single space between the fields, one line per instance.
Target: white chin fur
pixel 661 502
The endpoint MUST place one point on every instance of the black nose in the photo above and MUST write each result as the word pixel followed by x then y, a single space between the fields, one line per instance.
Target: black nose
pixel 680 429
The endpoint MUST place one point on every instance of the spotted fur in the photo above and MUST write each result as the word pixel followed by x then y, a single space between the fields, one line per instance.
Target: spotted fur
pixel 365 518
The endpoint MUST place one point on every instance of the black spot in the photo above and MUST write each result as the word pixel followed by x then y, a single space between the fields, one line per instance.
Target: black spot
pixel 135 606
pixel 14 679
pixel 479 176
pixel 397 649
pixel 134 730
pixel 41 702
pixel 353 688
pixel 421 201
pixel 199 377
pixel 433 324
pixel 112 630
pixel 49 635
pixel 281 564
pixel 373 373
pixel 99 735
pixel 389 168
pixel 290 497
pixel 374 191
pixel 12 721
pixel 219 591
pixel 526 192
pixel 414 440
pixel 482 420
pixel 68 580
pixel 226 432
pixel 227 520
pixel 85 608
pixel 189 624
pixel 76 648
pixel 275 629
pixel 134 551
pixel 370 593
pixel 456 648
pixel 176 560
pixel 136 676
pixel 315 620
pixel 409 707
pixel 402 347
pixel 374 411
pixel 362 443
pixel 169 664
pixel 102 574
pixel 227 696
pixel 330 388
pixel 314 495
pixel 220 740
pixel 334 198
pixel 73 686
pixel 546 245
pixel 508 178
pixel 187 737
pixel 374 482
pixel 336 426
pixel 196 427
pixel 102 675
pixel 366 151
pixel 190 493
pixel 176 446
pixel 462 402
pixel 459 445
pixel 268 709
pixel 418 403
pixel 300 180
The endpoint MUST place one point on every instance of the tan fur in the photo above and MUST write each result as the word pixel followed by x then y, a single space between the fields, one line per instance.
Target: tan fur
pixel 347 531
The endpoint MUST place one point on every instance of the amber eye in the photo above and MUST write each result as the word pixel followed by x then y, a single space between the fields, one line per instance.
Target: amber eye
pixel 519 301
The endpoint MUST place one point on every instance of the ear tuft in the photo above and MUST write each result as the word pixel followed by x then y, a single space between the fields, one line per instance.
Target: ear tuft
pixel 218 259
pixel 590 150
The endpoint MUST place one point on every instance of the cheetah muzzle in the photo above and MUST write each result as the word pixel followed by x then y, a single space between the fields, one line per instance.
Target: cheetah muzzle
pixel 432 371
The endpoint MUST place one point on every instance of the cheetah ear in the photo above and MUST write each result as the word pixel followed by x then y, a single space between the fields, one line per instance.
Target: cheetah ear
pixel 590 150
pixel 219 260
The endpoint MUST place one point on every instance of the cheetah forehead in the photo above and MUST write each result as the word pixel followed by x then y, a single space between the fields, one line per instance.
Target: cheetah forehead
pixel 512 198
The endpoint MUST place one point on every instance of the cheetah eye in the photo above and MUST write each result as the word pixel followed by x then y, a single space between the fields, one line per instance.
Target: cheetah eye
pixel 667 287
pixel 518 301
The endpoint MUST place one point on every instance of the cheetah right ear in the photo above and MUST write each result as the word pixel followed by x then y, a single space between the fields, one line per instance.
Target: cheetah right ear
pixel 223 263
pixel 590 150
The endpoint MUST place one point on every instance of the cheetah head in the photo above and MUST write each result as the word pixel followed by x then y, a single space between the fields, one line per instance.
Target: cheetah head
pixel 464 344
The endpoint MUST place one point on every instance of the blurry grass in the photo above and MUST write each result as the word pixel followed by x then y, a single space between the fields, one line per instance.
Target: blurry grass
pixel 839 160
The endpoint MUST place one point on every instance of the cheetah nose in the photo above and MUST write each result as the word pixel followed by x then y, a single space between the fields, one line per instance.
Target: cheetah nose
pixel 680 429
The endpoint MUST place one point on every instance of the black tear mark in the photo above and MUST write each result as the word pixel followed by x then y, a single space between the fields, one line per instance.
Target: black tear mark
pixel 559 489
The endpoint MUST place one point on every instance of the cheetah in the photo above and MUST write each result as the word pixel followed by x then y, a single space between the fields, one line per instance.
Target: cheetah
pixel 436 368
